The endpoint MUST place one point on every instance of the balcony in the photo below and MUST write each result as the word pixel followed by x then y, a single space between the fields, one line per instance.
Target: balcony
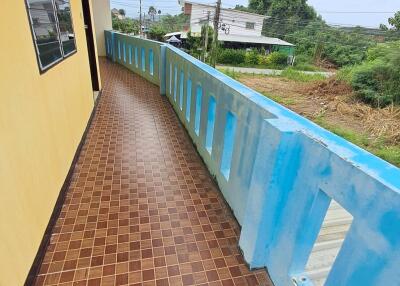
pixel 184 170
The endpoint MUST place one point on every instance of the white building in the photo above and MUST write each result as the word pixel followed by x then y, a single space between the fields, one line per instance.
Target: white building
pixel 235 27
pixel 235 22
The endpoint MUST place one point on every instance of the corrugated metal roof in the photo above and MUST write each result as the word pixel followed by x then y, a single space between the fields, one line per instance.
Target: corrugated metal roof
pixel 239 39
pixel 173 34
pixel 253 39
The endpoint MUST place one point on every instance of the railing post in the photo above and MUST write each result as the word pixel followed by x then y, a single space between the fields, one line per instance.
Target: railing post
pixel 113 46
pixel 274 157
pixel 162 70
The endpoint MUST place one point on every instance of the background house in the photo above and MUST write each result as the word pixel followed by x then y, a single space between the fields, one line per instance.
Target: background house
pixel 237 29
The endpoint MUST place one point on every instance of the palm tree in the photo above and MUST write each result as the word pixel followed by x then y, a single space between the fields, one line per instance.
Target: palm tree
pixel 152 12
pixel 121 12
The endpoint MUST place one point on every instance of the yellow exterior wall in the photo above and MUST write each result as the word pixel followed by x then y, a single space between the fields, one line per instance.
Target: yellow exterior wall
pixel 42 120
pixel 102 21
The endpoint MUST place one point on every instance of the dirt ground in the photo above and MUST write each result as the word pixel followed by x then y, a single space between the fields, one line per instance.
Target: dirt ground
pixel 331 101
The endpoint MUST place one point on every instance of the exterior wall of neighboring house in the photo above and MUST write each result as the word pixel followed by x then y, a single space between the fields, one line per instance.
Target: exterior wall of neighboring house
pixel 42 120
pixel 102 21
pixel 238 22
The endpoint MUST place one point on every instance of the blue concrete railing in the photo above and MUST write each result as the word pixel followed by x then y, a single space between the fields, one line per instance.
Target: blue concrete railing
pixel 278 172
pixel 139 56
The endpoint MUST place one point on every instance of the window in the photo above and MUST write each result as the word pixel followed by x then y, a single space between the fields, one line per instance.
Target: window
pixel 52 30
pixel 250 25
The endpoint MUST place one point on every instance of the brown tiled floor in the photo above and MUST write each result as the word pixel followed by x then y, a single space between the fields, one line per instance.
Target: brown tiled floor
pixel 141 208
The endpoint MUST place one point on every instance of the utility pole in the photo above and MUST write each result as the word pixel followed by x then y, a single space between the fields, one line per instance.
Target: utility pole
pixel 140 17
pixel 214 50
pixel 206 37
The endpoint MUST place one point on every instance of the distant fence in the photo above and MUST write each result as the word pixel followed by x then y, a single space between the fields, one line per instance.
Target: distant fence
pixel 278 171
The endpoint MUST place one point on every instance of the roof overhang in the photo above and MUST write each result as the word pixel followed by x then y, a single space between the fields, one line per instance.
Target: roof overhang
pixel 253 40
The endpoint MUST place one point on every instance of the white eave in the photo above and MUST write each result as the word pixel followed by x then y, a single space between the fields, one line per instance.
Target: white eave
pixel 182 35
pixel 253 39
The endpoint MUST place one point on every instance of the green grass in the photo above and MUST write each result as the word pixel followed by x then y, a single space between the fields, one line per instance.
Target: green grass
pixel 234 74
pixel 380 148
pixel 295 75
pixel 299 67
pixel 306 67
pixel 279 99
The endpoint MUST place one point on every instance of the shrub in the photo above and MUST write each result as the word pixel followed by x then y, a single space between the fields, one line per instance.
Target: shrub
pixel 304 63
pixel 231 56
pixel 277 59
pixel 263 60
pixel 377 79
pixel 377 82
pixel 252 57
pixel 157 33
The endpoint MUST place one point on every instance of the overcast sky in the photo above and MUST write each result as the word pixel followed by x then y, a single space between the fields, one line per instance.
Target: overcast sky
pixel 371 12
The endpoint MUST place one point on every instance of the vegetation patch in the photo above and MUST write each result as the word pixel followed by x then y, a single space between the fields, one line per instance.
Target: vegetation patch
pixel 380 147
pixel 377 79
pixel 295 75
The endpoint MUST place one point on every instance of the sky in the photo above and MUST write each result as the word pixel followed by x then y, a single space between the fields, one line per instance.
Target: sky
pixel 367 13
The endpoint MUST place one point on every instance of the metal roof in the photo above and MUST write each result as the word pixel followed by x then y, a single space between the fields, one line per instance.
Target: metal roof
pixel 239 39
pixel 253 39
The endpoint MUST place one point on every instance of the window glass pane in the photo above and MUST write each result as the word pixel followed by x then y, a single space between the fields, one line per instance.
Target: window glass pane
pixel 45 33
pixel 40 4
pixel 250 25
pixel 67 34
pixel 52 27
pixel 42 16
pixel 49 53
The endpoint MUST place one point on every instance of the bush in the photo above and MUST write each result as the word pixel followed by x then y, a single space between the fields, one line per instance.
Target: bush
pixel 377 82
pixel 277 59
pixel 273 60
pixel 157 33
pixel 377 79
pixel 252 57
pixel 231 56
pixel 304 63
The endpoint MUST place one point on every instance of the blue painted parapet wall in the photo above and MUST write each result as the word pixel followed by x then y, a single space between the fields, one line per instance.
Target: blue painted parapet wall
pixel 143 57
pixel 278 172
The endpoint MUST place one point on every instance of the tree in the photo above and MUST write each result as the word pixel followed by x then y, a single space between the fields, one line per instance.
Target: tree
pixel 288 16
pixel 174 23
pixel 395 21
pixel 241 8
pixel 152 12
pixel 383 27
pixel 126 25
pixel 260 6
pixel 157 32
pixel 121 12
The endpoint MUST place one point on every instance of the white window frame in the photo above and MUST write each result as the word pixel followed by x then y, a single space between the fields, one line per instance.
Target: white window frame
pixel 57 24
pixel 250 25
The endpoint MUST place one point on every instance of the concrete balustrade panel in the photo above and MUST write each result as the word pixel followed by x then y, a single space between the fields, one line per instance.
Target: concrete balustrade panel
pixel 147 61
pixel 281 173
